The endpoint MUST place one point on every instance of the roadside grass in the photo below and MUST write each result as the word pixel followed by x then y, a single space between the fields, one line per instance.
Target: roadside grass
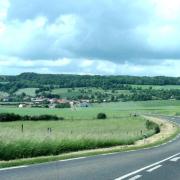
pixel 68 136
pixel 86 153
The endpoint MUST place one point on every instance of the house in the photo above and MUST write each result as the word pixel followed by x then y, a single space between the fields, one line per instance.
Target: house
pixel 38 100
pixel 6 99
pixel 52 106
pixel 53 100
pixel 84 104
pixel 22 105
pixel 62 101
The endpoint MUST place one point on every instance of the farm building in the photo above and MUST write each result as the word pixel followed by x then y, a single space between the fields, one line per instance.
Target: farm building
pixel 22 105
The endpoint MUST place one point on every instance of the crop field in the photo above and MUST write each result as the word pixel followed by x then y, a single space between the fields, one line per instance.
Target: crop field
pixel 67 135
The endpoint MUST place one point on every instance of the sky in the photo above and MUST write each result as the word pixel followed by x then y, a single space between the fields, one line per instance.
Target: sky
pixel 106 37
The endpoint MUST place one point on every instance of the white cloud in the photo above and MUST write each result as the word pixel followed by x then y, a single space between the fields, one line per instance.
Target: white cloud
pixel 167 9
pixel 4 5
pixel 16 62
pixel 86 63
pixel 109 37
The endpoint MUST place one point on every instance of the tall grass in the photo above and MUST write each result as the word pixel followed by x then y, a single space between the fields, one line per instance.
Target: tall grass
pixel 68 136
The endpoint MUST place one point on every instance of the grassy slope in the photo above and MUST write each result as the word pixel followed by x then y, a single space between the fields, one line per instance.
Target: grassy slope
pixel 27 91
pixel 167 87
pixel 63 92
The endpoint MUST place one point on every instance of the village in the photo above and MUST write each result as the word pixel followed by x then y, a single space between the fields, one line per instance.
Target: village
pixel 44 102
pixel 54 103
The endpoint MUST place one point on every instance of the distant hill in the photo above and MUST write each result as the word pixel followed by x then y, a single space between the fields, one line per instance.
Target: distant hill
pixel 33 80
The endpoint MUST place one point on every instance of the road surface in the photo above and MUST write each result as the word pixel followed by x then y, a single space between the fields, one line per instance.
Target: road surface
pixel 162 162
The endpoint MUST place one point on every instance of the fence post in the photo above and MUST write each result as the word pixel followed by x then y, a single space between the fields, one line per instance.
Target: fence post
pixel 22 128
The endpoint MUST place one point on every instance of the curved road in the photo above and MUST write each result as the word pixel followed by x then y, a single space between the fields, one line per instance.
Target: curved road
pixel 156 163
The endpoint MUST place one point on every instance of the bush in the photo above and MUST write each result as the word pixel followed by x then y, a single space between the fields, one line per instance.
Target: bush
pixel 63 105
pixel 43 117
pixel 157 129
pixel 101 116
pixel 7 117
pixel 151 125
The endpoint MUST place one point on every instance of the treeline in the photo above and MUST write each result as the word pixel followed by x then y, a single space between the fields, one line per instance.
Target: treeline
pixel 153 94
pixel 134 94
pixel 9 117
pixel 26 80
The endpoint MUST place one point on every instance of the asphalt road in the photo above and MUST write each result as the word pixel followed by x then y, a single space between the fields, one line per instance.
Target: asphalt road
pixel 162 162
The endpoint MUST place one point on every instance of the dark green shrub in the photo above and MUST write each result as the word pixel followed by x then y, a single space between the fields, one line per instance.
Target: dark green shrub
pixel 101 116
pixel 157 129
pixel 63 105
pixel 151 125
pixel 7 117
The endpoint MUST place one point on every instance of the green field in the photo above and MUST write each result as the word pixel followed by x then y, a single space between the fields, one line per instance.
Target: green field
pixel 27 91
pixel 70 92
pixel 74 92
pixel 157 87
pixel 80 130
pixel 113 110
pixel 67 136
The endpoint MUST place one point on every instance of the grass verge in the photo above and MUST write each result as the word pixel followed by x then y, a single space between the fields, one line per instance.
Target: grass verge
pixel 86 153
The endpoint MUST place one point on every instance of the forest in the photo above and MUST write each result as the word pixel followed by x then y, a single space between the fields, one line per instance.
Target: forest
pixel 45 83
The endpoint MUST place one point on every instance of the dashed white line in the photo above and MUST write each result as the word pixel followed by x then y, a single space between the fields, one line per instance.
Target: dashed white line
pixel 10 168
pixel 106 154
pixel 175 159
pixel 146 167
pixel 154 168
pixel 72 159
pixel 135 177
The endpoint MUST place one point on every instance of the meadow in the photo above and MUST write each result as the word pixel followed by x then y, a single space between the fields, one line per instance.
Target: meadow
pixel 113 110
pixel 80 130
pixel 27 91
pixel 92 91
pixel 157 87
pixel 67 136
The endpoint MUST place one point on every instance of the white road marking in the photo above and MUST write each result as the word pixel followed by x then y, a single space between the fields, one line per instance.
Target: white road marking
pixel 72 159
pixel 135 177
pixel 146 167
pixel 175 159
pixel 154 168
pixel 106 154
pixel 10 168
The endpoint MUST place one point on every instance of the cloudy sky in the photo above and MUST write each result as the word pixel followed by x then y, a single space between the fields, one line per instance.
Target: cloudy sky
pixel 138 37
